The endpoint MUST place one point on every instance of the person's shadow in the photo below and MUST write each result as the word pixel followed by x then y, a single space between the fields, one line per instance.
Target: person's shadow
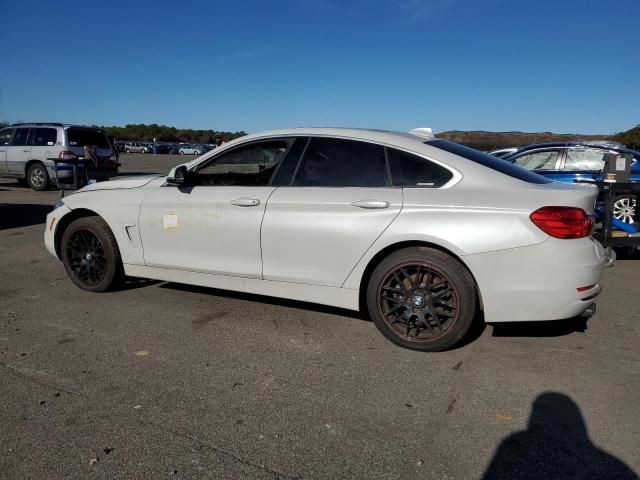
pixel 555 446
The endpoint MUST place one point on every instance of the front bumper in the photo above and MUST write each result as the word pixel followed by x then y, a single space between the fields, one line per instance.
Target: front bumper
pixel 50 226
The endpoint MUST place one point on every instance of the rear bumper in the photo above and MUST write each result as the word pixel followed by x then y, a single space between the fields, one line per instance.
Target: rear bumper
pixel 539 282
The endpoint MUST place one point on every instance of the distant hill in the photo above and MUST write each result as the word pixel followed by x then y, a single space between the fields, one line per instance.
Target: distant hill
pixel 631 138
pixel 481 140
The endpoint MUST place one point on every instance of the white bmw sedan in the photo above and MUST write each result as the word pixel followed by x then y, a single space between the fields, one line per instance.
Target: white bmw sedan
pixel 419 232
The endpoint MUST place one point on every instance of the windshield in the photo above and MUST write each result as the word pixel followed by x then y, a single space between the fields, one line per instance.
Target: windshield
pixel 489 161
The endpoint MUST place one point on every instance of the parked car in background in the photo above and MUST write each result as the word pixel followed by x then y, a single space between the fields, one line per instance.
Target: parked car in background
pixel 136 148
pixel 420 232
pixel 503 152
pixel 191 150
pixel 567 162
pixel 27 151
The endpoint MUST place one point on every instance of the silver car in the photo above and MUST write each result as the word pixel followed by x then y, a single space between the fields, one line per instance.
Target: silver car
pixel 191 150
pixel 136 148
pixel 36 153
pixel 421 233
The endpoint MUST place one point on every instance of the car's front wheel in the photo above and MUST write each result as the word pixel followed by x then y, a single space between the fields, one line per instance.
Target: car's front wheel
pixel 422 299
pixel 37 177
pixel 90 254
pixel 624 209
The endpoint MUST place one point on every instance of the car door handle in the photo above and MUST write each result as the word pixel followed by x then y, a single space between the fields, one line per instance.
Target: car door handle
pixel 245 202
pixel 370 204
pixel 26 150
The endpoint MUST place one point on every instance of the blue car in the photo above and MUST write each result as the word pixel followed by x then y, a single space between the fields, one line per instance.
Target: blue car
pixel 570 161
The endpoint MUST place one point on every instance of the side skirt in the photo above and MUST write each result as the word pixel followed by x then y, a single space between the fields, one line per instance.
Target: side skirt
pixel 334 296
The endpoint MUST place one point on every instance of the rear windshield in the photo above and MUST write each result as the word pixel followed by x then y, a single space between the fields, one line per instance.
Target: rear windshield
pixel 80 137
pixel 494 163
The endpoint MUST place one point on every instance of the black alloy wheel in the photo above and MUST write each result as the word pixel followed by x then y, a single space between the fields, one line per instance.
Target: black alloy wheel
pixel 87 256
pixel 422 299
pixel 90 254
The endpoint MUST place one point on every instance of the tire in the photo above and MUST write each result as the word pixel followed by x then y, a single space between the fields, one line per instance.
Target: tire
pixel 429 298
pixel 86 242
pixel 37 177
pixel 128 150
pixel 181 153
pixel 624 208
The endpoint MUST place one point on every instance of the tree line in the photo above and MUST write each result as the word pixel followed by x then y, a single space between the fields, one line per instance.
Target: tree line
pixel 164 133
pixel 480 140
pixel 631 138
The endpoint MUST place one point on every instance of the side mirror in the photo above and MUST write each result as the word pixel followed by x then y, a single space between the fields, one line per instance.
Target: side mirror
pixel 178 176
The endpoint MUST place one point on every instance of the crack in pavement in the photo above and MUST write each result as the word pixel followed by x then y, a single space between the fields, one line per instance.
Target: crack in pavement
pixel 19 373
pixel 236 457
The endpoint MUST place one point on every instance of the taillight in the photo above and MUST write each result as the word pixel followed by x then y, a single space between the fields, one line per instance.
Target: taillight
pixel 67 155
pixel 113 159
pixel 563 222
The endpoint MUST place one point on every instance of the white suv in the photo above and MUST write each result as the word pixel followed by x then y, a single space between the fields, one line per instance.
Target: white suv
pixel 29 151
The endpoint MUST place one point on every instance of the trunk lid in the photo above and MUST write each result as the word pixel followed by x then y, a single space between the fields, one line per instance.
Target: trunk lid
pixel 571 195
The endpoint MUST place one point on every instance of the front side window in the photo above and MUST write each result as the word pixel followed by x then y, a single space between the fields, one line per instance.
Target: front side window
pixel 409 170
pixel 332 162
pixel 20 137
pixel 43 137
pixel 584 159
pixel 5 136
pixel 248 165
pixel 545 160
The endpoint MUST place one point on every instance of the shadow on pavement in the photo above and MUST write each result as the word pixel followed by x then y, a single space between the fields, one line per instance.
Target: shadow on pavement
pixel 132 283
pixel 553 328
pixel 555 445
pixel 266 300
pixel 628 253
pixel 16 215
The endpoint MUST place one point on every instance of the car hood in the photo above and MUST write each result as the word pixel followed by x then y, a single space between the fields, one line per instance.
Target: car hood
pixel 121 182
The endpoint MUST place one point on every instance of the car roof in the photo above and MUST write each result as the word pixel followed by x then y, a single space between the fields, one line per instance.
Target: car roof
pixel 370 134
pixel 586 144
pixel 51 124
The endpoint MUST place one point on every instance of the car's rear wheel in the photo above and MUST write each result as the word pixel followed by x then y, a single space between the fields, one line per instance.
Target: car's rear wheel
pixel 624 209
pixel 37 177
pixel 90 254
pixel 421 298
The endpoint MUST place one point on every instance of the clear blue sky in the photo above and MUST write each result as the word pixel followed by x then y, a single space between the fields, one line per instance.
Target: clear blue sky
pixel 562 66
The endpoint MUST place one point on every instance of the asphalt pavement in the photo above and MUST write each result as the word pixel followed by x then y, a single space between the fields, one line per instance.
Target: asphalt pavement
pixel 160 380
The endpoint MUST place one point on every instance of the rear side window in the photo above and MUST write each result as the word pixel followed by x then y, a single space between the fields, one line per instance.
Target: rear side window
pixel 409 170
pixel 545 160
pixel 44 137
pixel 489 161
pixel 332 162
pixel 80 137
pixel 584 159
pixel 20 137
pixel 5 136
